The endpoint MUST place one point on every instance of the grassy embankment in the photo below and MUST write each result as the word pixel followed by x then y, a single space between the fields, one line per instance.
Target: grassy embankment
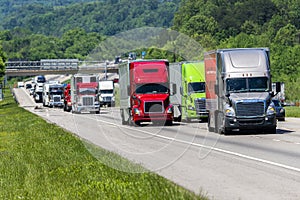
pixel 42 161
pixel 292 111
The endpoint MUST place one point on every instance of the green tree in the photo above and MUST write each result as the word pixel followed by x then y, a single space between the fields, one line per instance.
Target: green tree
pixel 286 35
pixel 2 63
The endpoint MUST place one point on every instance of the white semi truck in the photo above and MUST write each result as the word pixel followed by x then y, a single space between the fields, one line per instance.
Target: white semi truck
pixel 106 93
pixel 279 95
pixel 53 94
pixel 38 85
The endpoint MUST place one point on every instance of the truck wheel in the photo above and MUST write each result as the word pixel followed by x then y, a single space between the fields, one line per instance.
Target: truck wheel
pixel 179 119
pixel 97 112
pixel 218 126
pixel 169 123
pixel 226 132
pixel 210 129
pixel 216 123
pixel 137 123
pixel 123 121
pixel 272 130
pixel 188 120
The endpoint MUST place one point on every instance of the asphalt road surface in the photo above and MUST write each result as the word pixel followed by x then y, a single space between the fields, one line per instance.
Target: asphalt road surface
pixel 246 166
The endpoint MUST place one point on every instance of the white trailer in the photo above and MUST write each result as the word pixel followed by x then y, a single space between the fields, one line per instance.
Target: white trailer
pixel 38 85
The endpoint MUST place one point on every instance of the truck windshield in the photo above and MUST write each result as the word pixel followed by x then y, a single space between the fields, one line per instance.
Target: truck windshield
pixel 87 91
pixel 41 79
pixel 258 84
pixel 106 91
pixel 197 87
pixel 151 88
pixel 56 93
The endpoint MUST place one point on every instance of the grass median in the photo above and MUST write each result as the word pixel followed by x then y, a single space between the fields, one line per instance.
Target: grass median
pixel 292 111
pixel 42 161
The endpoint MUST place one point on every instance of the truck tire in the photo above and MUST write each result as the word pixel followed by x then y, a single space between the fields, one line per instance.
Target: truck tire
pixel 179 119
pixel 124 122
pixel 188 120
pixel 272 130
pixel 218 127
pixel 137 123
pixel 226 131
pixel 169 123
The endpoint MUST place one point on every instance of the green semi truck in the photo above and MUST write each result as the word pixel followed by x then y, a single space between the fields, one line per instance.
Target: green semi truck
pixel 189 93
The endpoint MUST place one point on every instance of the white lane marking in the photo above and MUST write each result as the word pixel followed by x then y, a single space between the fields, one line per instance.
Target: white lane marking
pixel 206 147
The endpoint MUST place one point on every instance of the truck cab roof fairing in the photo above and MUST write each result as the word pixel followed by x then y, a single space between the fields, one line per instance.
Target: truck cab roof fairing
pixel 235 61
pixel 152 72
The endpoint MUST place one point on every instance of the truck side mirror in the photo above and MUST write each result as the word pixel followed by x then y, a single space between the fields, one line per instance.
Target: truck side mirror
pixel 181 91
pixel 278 87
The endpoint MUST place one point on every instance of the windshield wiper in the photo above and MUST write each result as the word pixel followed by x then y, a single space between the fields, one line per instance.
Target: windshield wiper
pixel 258 90
pixel 238 91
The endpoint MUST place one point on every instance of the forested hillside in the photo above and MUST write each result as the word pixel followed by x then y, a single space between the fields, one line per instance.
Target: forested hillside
pixel 71 29
pixel 8 7
pixel 104 17
pixel 249 23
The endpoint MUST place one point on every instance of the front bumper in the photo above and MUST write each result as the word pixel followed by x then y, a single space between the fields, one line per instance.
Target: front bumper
pixel 88 108
pixel 254 123
pixel 152 117
pixel 56 104
pixel 192 114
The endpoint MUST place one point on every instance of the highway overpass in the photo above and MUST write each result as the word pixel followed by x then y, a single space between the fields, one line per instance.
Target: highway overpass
pixel 58 66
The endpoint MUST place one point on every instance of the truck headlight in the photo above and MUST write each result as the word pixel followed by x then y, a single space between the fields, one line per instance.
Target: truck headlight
pixel 170 110
pixel 136 111
pixel 271 110
pixel 191 107
pixel 229 112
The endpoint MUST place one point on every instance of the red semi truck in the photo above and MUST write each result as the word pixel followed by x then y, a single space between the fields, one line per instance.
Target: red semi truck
pixel 67 98
pixel 84 93
pixel 144 92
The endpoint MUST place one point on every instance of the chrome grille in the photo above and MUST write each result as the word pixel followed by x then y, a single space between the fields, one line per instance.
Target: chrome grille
pixel 153 107
pixel 200 105
pixel 107 99
pixel 56 98
pixel 249 109
pixel 88 101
